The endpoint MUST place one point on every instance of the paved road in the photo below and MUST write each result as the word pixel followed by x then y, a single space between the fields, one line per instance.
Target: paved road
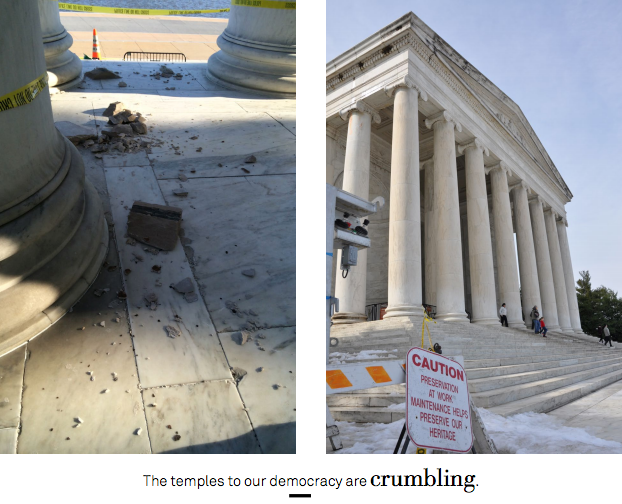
pixel 195 37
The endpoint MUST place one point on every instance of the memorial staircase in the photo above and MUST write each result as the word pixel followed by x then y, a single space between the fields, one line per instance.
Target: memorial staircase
pixel 509 371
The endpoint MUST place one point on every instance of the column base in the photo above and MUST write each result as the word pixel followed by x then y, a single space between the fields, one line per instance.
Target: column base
pixel 252 66
pixel 453 317
pixel 348 318
pixel 404 311
pixel 64 67
pixel 516 324
pixel 578 331
pixel 486 321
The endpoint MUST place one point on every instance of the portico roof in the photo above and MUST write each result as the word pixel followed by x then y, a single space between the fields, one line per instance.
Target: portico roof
pixel 482 96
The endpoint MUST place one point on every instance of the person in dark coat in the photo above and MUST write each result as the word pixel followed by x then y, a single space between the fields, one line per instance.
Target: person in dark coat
pixel 599 331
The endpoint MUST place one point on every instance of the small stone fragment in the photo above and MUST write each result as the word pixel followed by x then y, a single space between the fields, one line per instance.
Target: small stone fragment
pixel 260 369
pixel 173 332
pixel 191 297
pixel 238 374
pixel 138 431
pixel 245 170
pixel 184 286
pixel 241 337
pixel 138 257
pixel 168 427
pixel 176 437
pixel 249 273
pixel 277 386
pixel 100 292
pixel 181 193
pixel 92 378
pixel 122 84
pixel 156 268
pixel 182 177
pixel 78 420
pixel 102 323
pixel 250 159
pixel 139 128
pixel 121 294
pixel 113 108
pixel 105 391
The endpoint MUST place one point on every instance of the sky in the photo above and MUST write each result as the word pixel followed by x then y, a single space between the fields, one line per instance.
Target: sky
pixel 560 61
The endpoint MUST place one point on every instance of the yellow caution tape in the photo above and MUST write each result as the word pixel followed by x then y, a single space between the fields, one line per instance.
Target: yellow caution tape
pixel 138 12
pixel 24 95
pixel 265 4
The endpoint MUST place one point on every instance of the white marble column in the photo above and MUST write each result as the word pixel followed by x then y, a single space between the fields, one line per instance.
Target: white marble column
pixel 449 277
pixel 405 282
pixel 64 67
pixel 53 234
pixel 528 271
pixel 429 240
pixel 543 262
pixel 257 51
pixel 571 291
pixel 351 291
pixel 483 294
pixel 559 282
pixel 507 271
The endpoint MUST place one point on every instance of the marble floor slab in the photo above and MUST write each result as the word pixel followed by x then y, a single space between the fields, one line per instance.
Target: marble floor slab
pixel 8 441
pixel 227 241
pixel 269 387
pixel 225 135
pixel 11 382
pixel 274 161
pixel 194 356
pixel 208 418
pixel 598 413
pixel 58 389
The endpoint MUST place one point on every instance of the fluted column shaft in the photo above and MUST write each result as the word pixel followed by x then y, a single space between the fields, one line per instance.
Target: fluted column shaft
pixel 543 262
pixel 483 295
pixel 449 277
pixel 351 291
pixel 527 268
pixel 405 285
pixel 557 267
pixel 430 232
pixel 571 291
pixel 507 272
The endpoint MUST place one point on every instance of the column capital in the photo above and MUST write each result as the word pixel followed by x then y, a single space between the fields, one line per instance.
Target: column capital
pixel 553 212
pixel 562 220
pixel 407 82
pixel 444 116
pixel 537 199
pixel 475 143
pixel 424 162
pixel 522 184
pixel 360 106
pixel 501 165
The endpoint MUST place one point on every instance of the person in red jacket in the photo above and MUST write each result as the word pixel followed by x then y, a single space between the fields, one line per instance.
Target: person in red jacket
pixel 543 328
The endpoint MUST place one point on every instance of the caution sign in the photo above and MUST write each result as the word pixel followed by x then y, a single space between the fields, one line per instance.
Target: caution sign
pixel 137 12
pixel 25 94
pixel 438 414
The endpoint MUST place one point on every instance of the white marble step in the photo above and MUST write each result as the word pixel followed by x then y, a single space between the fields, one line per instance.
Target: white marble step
pixel 485 372
pixel 497 382
pixel 554 399
pixel 515 392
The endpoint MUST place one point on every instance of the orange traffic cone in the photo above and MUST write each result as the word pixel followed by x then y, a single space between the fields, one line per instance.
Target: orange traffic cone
pixel 95 45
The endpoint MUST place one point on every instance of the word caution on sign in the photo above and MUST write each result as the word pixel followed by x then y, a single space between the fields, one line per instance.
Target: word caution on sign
pixel 437 402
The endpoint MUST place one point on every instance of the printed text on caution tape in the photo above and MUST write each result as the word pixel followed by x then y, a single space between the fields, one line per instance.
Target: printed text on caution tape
pixel 24 95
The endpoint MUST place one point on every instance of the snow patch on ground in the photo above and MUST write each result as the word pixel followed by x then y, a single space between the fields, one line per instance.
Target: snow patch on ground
pixel 522 433
pixel 399 407
pixel 370 437
pixel 542 433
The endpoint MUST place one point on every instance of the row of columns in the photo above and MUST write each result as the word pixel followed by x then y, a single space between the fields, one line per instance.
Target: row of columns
pixel 546 278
